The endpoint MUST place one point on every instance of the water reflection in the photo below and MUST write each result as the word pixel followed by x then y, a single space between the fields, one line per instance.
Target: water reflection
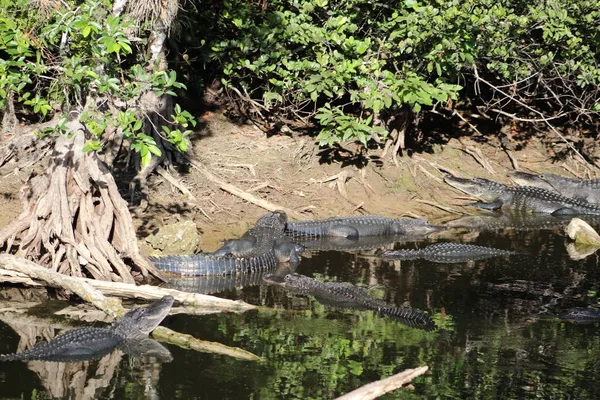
pixel 494 341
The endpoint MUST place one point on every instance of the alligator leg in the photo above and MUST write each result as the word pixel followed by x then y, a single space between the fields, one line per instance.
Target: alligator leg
pixel 288 252
pixel 495 205
pixel 564 211
pixel 236 247
pixel 346 231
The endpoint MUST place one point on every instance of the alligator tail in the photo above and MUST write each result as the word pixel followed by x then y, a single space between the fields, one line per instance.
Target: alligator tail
pixel 409 316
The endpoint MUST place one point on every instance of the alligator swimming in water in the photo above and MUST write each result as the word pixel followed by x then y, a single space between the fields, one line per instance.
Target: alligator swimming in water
pixel 446 253
pixel 358 226
pixel 587 190
pixel 357 244
pixel 581 315
pixel 520 198
pixel 345 295
pixel 89 343
pixel 260 249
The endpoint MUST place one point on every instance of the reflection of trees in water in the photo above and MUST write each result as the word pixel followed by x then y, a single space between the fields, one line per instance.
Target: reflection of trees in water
pixel 72 380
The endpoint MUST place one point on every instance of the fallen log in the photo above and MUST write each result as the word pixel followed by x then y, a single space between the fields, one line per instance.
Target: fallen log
pixel 94 291
pixel 381 387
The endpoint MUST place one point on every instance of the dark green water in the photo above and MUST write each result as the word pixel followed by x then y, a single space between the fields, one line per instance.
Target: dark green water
pixel 490 343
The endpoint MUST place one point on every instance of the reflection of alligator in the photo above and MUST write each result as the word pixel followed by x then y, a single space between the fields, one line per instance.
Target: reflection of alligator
pixel 358 226
pixel 581 315
pixel 520 198
pixel 346 295
pixel 221 283
pixel 587 190
pixel 89 343
pixel 518 221
pixel 259 249
pixel 357 244
pixel 446 253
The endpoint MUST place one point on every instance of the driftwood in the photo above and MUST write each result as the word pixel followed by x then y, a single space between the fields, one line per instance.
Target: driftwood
pixel 379 388
pixel 189 342
pixel 93 291
pixel 243 194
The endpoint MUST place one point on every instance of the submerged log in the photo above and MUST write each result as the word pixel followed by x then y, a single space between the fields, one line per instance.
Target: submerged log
pixel 379 388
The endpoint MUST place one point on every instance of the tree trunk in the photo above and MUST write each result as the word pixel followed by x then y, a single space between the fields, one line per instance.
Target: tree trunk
pixel 74 220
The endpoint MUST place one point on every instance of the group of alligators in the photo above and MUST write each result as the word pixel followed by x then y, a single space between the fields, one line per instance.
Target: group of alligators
pixel 276 240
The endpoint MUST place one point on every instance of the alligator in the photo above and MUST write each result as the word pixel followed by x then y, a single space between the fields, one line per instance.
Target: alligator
pixel 343 295
pixel 357 244
pixel 222 283
pixel 587 190
pixel 446 253
pixel 88 343
pixel 358 226
pixel 520 198
pixel 517 221
pixel 581 315
pixel 261 248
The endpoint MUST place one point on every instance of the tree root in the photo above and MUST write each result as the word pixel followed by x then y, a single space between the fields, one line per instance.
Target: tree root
pixel 74 220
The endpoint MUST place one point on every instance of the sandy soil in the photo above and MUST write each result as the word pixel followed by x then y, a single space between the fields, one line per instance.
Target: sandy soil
pixel 293 172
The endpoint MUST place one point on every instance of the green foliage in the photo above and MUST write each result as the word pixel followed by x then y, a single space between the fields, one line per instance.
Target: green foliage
pixel 56 56
pixel 351 64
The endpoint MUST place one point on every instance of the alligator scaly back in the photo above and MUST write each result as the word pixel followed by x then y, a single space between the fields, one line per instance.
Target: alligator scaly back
pixel 353 227
pixel 257 250
pixel 520 198
pixel 587 190
pixel 344 295
pixel 82 344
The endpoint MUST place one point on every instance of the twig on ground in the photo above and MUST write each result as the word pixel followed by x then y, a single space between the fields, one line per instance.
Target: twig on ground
pixel 478 156
pixel 381 387
pixel 437 166
pixel 169 178
pixel 243 194
pixel 441 207
pixel 249 166
pixel 512 158
pixel 429 174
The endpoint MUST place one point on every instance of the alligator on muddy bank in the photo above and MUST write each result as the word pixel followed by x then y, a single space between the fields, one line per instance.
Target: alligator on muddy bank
pixel 520 198
pixel 446 253
pixel 347 296
pixel 353 227
pixel 587 190
pixel 261 248
pixel 129 333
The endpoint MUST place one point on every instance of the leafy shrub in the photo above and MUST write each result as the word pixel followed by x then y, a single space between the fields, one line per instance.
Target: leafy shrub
pixel 349 65
pixel 59 54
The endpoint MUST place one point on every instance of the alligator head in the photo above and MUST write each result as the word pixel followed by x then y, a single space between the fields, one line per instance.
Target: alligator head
pixel 291 281
pixel 527 179
pixel 274 220
pixel 139 322
pixel 481 188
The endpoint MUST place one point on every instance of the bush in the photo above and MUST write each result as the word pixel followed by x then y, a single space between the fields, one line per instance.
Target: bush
pixel 350 65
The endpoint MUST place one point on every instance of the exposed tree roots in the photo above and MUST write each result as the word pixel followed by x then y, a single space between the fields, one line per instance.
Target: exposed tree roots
pixel 74 220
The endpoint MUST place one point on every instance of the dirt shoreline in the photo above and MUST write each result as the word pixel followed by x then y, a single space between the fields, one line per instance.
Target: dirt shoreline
pixel 291 172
